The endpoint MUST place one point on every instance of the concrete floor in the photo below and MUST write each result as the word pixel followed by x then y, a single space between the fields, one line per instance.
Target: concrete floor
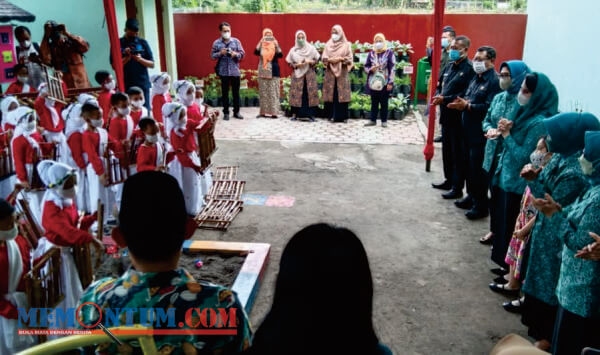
pixel 430 273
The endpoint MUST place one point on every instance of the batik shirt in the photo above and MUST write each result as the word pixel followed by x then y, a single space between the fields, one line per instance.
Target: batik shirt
pixel 174 289
pixel 563 180
pixel 503 105
pixel 578 289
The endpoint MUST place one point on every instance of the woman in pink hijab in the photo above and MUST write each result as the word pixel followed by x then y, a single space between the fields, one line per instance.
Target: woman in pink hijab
pixel 337 58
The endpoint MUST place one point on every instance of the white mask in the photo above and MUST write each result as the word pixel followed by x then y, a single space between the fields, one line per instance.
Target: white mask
pixel 22 79
pixel 68 194
pixel 161 88
pixel 97 123
pixel 188 99
pixel 30 126
pixel 538 159
pixel 586 166
pixel 124 111
pixel 200 101
pixel 26 44
pixel 138 103
pixel 226 35
pixel 9 234
pixel 49 102
pixel 110 85
pixel 335 37
pixel 379 46
pixel 522 99
pixel 151 138
pixel 505 83
pixel 479 67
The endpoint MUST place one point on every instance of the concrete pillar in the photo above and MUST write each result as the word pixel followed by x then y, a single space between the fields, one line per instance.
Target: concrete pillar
pixel 169 35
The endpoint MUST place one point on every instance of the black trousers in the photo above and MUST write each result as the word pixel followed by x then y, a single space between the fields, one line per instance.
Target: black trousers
pixel 234 82
pixel 572 333
pixel 304 110
pixel 509 206
pixel 336 109
pixel 379 99
pixel 495 208
pixel 453 154
pixel 477 178
pixel 539 317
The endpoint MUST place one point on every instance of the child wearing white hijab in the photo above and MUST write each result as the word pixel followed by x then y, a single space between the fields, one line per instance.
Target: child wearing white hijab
pixel 63 227
pixel 8 106
pixel 26 151
pixel 186 167
pixel 53 123
pixel 160 96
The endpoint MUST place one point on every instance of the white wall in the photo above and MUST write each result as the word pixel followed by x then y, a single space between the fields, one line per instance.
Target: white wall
pixel 562 42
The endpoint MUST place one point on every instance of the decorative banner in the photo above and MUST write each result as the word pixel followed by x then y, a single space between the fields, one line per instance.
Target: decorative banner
pixel 7 49
pixel 280 201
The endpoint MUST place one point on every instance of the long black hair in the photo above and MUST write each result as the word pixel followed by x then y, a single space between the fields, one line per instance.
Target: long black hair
pixel 323 297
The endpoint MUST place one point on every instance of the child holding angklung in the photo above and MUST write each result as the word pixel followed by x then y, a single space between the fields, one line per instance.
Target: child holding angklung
pixel 160 96
pixel 15 255
pixel 152 154
pixel 105 79
pixel 96 142
pixel 27 151
pixel 186 167
pixel 63 227
pixel 51 121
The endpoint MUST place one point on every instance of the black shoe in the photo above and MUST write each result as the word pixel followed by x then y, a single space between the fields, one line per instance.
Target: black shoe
pixel 465 203
pixel 514 306
pixel 499 271
pixel 475 214
pixel 452 194
pixel 500 288
pixel 446 185
pixel 226 116
pixel 500 280
pixel 311 119
pixel 238 116
pixel 437 139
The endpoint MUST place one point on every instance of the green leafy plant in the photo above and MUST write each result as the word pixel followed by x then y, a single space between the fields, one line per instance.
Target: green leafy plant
pixel 405 49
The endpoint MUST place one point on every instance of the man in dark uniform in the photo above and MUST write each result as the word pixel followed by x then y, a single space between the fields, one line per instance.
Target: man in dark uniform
pixel 452 84
pixel 474 107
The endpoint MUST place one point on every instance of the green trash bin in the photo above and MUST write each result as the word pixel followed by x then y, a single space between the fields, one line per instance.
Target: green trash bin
pixel 423 74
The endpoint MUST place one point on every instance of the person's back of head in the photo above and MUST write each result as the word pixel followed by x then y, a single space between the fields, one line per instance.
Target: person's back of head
pixel 152 218
pixel 323 297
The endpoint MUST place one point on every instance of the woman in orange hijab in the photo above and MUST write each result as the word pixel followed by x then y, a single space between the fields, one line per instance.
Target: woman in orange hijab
pixel 268 52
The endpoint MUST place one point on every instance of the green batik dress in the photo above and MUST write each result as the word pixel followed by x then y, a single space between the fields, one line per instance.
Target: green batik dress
pixel 503 105
pixel 563 180
pixel 578 289
pixel 174 289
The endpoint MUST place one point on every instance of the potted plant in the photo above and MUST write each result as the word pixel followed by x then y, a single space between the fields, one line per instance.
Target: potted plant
pixel 404 51
pixel 365 104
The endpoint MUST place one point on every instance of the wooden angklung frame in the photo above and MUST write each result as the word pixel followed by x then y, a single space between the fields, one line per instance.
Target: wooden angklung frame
pixel 82 254
pixel 54 84
pixel 7 166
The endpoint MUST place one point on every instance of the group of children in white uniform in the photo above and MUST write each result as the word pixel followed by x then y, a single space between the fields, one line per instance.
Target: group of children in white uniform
pixel 85 156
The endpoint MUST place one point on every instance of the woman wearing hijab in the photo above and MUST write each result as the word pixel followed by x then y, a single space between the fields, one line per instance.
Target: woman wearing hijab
pixel 186 167
pixel 321 257
pixel 562 178
pixel 268 52
pixel 512 74
pixel 304 92
pixel 380 78
pixel 337 57
pixel 578 290
pixel 538 99
pixel 63 227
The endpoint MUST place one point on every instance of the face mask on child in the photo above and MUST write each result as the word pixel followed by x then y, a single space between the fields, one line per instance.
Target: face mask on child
pixel 9 234
pixel 151 138
pixel 138 103
pixel 110 85
pixel 97 123
pixel 49 102
pixel 22 78
pixel 200 101
pixel 586 166
pixel 124 111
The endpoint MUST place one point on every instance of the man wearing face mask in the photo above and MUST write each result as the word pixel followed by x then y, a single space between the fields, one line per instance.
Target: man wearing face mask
pixel 228 52
pixel 28 53
pixel 453 83
pixel 137 58
pixel 14 263
pixel 474 107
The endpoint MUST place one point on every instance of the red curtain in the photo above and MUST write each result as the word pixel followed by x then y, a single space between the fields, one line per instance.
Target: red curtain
pixel 115 44
pixel 438 18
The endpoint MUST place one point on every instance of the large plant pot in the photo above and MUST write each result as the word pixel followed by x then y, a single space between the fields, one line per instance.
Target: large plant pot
pixel 405 89
pixel 398 115
pixel 356 87
pixel 354 113
pixel 255 102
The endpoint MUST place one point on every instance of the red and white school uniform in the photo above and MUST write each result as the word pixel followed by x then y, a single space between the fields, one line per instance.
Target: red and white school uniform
pixel 158 102
pixel 52 122
pixel 18 87
pixel 194 113
pixel 95 145
pixel 183 142
pixel 26 151
pixel 77 159
pixel 7 183
pixel 104 103
pixel 137 116
pixel 15 259
pixel 149 157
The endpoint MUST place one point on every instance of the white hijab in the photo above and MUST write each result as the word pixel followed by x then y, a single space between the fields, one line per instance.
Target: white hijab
pixel 157 84
pixel 22 115
pixel 181 87
pixel 8 116
pixel 73 120
pixel 171 112
pixel 49 103
pixel 54 175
